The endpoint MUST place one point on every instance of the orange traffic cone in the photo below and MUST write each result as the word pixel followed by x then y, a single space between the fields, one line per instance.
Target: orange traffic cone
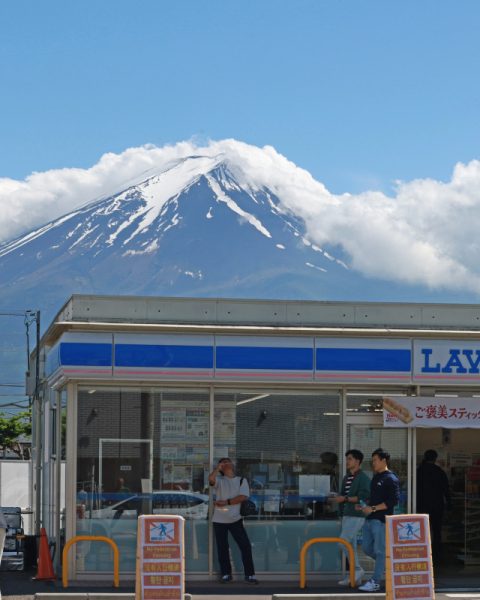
pixel 45 570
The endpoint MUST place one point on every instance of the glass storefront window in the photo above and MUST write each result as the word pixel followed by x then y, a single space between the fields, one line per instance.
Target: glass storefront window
pixel 141 451
pixel 287 446
pixel 147 451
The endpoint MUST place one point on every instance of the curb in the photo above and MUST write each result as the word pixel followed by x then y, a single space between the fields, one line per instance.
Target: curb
pixel 357 595
pixel 108 596
pixel 82 596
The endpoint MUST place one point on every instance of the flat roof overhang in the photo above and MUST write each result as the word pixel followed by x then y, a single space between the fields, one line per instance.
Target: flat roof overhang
pixel 263 317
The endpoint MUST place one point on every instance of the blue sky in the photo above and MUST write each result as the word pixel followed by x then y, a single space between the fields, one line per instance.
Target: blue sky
pixel 360 93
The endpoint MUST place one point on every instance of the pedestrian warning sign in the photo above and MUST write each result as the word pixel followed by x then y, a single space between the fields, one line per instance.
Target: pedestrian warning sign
pixel 160 558
pixel 409 571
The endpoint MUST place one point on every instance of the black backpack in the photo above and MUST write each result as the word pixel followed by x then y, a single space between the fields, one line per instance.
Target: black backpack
pixel 247 507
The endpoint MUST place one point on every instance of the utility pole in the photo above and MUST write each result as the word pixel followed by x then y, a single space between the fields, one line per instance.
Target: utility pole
pixel 36 410
pixel 38 437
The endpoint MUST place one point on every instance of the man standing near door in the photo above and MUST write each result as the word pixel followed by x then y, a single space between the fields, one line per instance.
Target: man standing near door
pixel 433 495
pixel 384 496
pixel 355 488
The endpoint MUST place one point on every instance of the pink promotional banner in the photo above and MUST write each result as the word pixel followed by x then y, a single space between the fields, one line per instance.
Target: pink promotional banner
pixel 426 411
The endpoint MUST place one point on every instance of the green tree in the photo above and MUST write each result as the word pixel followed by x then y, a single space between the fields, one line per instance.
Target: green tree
pixel 11 429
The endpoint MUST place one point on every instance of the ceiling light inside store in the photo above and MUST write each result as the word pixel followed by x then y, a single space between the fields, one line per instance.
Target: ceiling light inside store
pixel 331 414
pixel 253 399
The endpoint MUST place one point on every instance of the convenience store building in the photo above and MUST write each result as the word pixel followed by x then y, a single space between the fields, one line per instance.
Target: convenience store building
pixel 141 395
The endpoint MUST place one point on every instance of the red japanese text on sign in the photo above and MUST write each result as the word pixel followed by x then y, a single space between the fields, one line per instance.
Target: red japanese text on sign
pixel 162 567
pixel 415 592
pixel 161 580
pixel 412 579
pixel 165 594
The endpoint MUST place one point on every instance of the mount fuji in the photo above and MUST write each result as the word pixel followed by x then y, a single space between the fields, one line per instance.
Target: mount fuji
pixel 213 224
pixel 231 221
pixel 191 229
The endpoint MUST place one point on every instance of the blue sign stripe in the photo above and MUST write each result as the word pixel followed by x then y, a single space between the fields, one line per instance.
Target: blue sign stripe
pixel 149 355
pixel 253 358
pixel 80 354
pixel 249 357
pixel 363 359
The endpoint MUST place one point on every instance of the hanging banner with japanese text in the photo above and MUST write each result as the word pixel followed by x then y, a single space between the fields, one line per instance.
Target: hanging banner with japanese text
pixel 426 411
pixel 409 571
pixel 160 558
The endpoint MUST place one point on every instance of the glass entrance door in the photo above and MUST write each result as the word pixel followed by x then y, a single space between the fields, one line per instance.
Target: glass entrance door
pixel 366 433
pixel 458 546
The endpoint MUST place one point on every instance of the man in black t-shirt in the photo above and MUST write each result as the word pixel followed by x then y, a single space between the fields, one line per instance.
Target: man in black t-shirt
pixel 384 496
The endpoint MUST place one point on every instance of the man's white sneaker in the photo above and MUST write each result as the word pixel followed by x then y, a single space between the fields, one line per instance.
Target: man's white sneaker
pixel 370 586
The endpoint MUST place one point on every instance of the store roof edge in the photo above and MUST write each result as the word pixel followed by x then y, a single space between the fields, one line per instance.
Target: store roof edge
pixel 289 317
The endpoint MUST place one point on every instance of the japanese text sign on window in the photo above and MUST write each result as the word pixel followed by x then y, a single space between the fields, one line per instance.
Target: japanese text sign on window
pixel 160 558
pixel 409 572
pixel 436 411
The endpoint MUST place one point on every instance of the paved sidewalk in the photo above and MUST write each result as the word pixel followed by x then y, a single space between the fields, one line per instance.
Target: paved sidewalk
pixel 17 585
pixel 59 595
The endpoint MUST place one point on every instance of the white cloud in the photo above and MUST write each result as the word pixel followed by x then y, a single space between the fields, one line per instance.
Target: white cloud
pixel 425 234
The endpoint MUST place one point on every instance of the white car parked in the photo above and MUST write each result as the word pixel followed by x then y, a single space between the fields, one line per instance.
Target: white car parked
pixel 190 505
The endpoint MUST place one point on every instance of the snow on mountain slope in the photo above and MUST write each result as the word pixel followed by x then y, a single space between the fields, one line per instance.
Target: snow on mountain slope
pixel 225 222
pixel 191 227
pixel 228 222
pixel 136 216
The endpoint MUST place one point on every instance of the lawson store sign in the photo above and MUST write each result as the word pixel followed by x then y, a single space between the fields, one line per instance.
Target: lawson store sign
pixel 83 355
pixel 441 360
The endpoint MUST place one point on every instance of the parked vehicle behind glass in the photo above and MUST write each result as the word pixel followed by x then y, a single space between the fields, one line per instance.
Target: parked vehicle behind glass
pixel 190 505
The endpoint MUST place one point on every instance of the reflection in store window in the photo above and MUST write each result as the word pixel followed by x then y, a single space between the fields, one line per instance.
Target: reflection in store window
pixel 368 403
pixel 141 451
pixel 287 446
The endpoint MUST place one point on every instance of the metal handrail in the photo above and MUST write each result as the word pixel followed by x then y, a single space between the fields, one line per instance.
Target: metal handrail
pixel 91 538
pixel 323 540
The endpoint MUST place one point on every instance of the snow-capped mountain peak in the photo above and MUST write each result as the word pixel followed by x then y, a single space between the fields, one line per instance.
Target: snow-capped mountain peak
pixel 224 220
pixel 198 218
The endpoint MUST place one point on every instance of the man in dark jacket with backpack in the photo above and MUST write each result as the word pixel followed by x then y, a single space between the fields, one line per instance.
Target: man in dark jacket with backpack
pixel 230 492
